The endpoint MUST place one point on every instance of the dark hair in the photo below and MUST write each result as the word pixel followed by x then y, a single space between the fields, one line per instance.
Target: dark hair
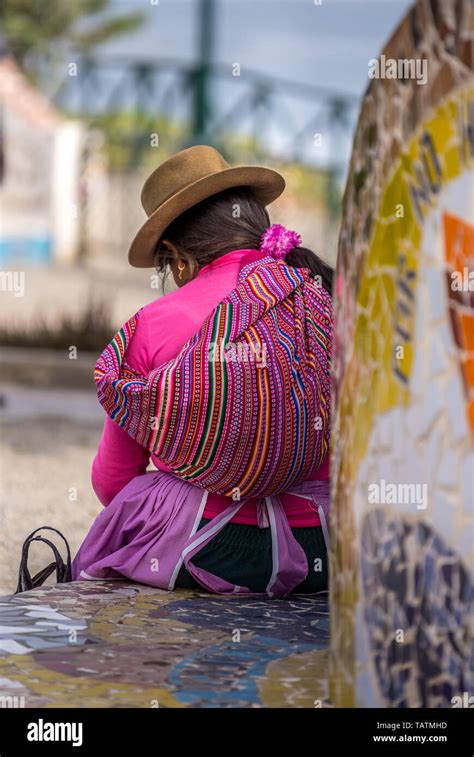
pixel 231 220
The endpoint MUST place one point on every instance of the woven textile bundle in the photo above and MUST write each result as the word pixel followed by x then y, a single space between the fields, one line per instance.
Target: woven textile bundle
pixel 244 409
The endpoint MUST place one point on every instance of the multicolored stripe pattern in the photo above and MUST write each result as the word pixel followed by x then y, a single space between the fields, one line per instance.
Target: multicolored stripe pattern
pixel 244 410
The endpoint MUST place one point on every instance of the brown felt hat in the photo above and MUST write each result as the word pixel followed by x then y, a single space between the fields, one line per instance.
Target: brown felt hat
pixel 184 180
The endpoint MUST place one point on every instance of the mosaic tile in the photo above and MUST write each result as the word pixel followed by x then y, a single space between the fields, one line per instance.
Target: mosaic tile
pixel 402 391
pixel 136 646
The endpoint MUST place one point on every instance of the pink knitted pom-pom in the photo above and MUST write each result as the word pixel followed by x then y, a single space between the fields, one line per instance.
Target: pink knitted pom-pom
pixel 277 241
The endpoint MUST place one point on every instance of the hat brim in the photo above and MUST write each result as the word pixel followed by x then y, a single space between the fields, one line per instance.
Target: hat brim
pixel 266 184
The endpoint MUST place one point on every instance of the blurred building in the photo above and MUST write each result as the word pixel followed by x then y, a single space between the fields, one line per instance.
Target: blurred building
pixel 40 156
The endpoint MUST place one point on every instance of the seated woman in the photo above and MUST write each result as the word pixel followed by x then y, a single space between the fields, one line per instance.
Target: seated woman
pixel 239 498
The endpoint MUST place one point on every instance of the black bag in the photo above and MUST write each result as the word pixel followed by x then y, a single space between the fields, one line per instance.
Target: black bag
pixel 63 569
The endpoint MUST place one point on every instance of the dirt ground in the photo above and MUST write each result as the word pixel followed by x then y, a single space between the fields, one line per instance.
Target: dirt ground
pixel 49 436
pixel 48 442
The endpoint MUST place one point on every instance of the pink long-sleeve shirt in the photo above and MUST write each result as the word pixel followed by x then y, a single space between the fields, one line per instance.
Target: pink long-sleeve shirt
pixel 163 328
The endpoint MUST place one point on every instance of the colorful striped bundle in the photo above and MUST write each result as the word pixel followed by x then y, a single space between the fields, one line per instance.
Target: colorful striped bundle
pixel 244 410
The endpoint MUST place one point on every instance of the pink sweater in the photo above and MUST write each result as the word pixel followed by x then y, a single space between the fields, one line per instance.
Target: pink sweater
pixel 165 325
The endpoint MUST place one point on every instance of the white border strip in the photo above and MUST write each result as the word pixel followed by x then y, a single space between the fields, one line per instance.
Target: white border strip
pixel 324 526
pixel 177 568
pixel 274 537
pixel 88 577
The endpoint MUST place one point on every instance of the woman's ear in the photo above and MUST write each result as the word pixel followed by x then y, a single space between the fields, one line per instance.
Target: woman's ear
pixel 171 248
pixel 176 263
pixel 178 260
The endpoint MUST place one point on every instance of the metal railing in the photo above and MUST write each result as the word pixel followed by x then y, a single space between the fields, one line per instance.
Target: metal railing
pixel 270 117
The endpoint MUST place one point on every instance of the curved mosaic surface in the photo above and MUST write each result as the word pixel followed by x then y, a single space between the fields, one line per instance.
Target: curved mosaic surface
pixel 404 378
pixel 116 644
pixel 415 584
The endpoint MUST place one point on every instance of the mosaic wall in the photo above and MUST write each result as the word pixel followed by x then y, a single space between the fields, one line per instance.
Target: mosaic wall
pixel 403 460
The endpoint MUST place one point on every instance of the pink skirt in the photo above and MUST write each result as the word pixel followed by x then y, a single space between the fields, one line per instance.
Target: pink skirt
pixel 150 530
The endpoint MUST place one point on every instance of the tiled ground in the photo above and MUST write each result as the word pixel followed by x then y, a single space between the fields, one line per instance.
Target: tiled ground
pixel 118 644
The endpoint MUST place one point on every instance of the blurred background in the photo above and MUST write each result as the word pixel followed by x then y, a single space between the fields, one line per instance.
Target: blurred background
pixel 93 95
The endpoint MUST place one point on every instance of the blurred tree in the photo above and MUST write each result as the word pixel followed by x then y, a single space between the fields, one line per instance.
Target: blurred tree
pixel 31 29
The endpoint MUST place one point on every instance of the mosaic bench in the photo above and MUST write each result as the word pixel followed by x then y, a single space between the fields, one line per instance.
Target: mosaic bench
pixel 119 644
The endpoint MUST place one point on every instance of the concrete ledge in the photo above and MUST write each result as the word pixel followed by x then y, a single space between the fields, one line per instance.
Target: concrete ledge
pixel 41 368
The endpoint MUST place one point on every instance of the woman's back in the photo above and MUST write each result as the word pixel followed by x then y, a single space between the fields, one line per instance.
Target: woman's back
pixel 167 323
pixel 223 424
pixel 164 327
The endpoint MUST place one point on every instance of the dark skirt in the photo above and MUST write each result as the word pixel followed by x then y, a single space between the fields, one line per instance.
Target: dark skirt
pixel 242 554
